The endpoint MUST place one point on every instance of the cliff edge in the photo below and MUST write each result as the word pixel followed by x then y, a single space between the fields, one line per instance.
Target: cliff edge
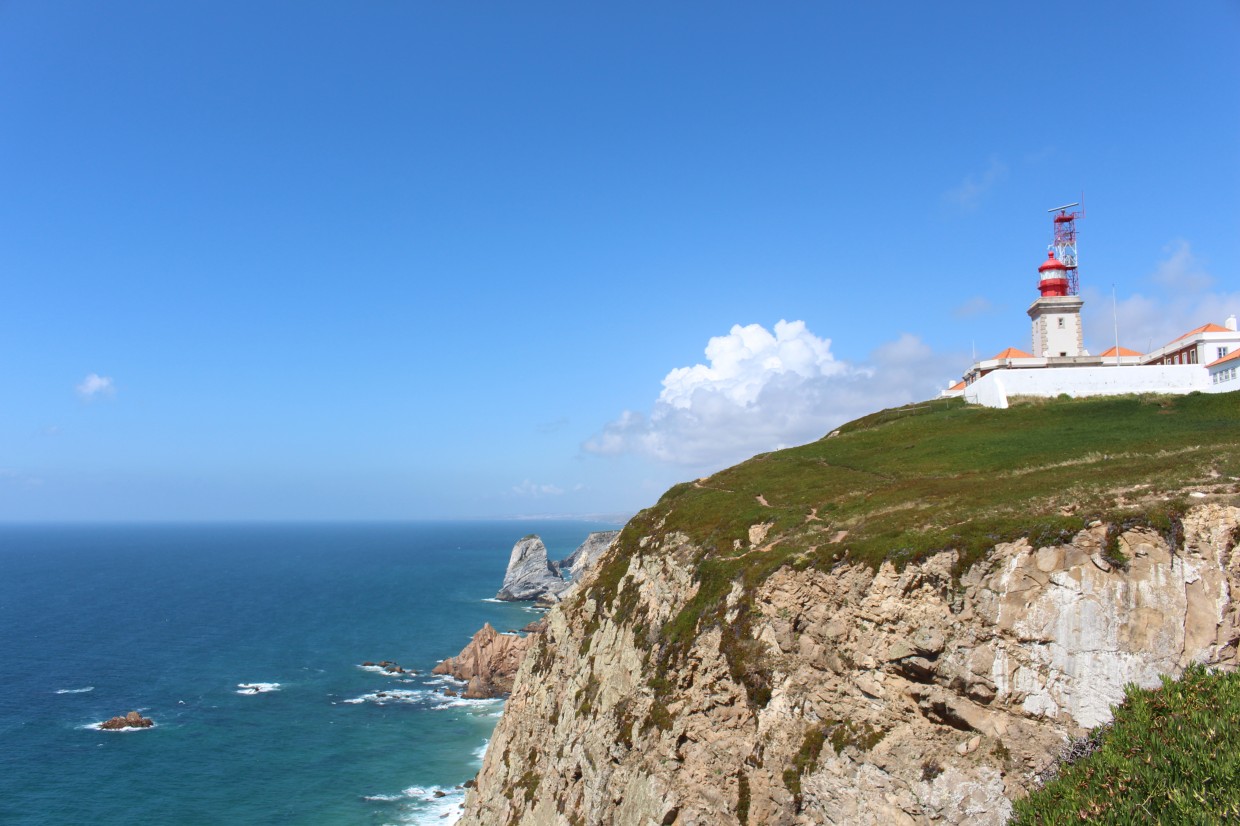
pixel 903 623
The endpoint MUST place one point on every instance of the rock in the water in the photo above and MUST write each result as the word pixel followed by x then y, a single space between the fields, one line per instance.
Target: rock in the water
pixel 536 627
pixel 530 574
pixel 131 720
pixel 489 663
pixel 480 689
pixel 576 563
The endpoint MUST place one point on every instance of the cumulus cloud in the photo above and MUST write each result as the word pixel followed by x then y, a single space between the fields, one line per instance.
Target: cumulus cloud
pixel 1177 298
pixel 968 193
pixel 95 386
pixel 762 390
pixel 528 488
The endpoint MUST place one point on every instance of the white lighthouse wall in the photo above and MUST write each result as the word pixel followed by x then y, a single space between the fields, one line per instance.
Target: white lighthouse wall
pixel 995 388
pixel 1063 334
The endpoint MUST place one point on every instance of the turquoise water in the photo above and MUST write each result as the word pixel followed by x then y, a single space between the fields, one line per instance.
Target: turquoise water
pixel 169 620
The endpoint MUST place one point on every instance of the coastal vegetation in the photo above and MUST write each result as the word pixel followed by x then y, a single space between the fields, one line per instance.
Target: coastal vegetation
pixel 1171 755
pixel 902 484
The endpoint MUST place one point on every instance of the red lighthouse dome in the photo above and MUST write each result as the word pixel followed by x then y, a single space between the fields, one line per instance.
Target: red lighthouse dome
pixel 1053 277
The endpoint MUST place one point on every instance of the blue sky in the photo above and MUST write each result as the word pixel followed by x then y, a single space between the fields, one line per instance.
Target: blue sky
pixel 415 260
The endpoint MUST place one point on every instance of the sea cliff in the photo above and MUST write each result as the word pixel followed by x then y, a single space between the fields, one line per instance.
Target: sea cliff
pixel 901 624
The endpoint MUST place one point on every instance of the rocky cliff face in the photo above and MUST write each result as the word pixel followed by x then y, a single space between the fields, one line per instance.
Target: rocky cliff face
pixel 854 695
pixel 576 563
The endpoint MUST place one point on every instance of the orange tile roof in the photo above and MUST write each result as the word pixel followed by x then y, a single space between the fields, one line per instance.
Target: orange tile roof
pixel 960 384
pixel 1232 356
pixel 1013 353
pixel 1123 351
pixel 1204 328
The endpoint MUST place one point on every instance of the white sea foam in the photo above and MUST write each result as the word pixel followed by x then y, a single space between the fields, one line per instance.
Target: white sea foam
pixel 493 599
pixel 442 701
pixel 378 669
pixel 419 805
pixel 257 688
pixel 444 679
pixel 99 727
pixel 75 690
pixel 395 695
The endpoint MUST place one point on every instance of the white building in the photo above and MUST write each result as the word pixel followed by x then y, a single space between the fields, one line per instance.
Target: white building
pixel 1205 359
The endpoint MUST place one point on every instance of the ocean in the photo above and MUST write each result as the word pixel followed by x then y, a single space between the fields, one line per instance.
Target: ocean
pixel 172 621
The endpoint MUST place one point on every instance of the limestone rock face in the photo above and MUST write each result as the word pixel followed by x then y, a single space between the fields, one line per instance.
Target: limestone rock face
pixel 530 575
pixel 587 552
pixel 488 663
pixel 937 698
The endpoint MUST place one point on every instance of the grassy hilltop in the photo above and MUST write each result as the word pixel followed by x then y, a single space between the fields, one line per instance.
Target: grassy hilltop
pixel 905 483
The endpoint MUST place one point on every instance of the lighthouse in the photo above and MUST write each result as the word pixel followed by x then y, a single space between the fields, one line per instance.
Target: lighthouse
pixel 1056 315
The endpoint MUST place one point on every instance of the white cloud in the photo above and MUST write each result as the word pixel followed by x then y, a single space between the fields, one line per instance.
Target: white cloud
pixel 968 193
pixel 1178 300
pixel 528 488
pixel 975 306
pixel 1181 270
pixel 95 386
pixel 763 390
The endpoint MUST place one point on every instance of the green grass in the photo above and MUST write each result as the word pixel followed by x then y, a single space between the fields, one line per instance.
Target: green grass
pixel 912 481
pixel 1171 755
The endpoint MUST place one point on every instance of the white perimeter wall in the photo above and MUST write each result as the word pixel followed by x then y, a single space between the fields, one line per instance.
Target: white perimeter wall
pixel 993 389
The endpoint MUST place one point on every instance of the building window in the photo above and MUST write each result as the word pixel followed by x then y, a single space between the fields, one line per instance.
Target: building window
pixel 1192 356
pixel 1222 351
pixel 1061 323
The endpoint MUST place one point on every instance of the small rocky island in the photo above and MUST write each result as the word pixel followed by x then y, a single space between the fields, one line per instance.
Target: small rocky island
pixel 532 576
pixel 489 663
pixel 131 720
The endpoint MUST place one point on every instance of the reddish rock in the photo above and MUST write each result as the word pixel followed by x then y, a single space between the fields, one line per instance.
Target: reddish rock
pixel 480 689
pixel 131 720
pixel 489 663
pixel 537 626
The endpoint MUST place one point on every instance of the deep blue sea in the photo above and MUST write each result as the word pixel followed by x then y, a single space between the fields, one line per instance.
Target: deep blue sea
pixel 169 620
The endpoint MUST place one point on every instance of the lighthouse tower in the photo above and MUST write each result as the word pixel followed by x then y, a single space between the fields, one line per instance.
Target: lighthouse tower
pixel 1056 314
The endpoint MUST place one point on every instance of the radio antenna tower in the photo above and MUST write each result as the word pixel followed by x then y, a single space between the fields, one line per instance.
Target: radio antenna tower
pixel 1064 247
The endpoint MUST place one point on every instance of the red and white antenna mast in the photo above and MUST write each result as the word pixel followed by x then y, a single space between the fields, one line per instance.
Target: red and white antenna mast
pixel 1064 246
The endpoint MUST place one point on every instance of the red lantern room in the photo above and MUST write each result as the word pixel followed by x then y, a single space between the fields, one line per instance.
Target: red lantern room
pixel 1054 277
